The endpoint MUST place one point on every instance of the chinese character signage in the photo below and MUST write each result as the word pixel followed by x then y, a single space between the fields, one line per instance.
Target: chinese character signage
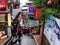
pixel 2 3
pixel 9 19
pixel 37 13
pixel 52 30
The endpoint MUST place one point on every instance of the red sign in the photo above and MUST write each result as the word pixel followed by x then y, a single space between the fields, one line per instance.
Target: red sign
pixel 37 13
pixel 2 3
pixel 3 12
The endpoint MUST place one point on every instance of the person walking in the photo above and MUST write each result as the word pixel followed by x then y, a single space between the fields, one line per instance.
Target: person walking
pixel 19 28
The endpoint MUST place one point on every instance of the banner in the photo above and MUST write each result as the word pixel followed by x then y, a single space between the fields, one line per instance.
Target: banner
pixel 37 13
pixel 2 3
pixel 52 30
pixel 9 19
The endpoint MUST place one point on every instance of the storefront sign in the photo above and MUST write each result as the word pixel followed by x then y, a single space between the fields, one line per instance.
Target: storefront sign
pixel 37 13
pixel 52 30
pixel 9 19
pixel 2 3
pixel 31 9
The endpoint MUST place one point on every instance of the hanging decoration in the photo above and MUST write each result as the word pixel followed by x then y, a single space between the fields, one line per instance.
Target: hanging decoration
pixel 50 2
pixel 37 13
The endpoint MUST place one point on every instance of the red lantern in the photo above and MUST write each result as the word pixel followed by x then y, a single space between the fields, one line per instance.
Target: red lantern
pixel 37 13
pixel 50 2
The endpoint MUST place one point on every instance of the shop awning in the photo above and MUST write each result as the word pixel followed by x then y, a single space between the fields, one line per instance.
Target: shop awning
pixel 3 12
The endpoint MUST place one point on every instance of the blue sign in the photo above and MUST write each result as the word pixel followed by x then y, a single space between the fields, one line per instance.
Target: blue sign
pixel 52 30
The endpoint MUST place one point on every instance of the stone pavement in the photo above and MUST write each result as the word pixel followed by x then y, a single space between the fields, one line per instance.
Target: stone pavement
pixel 27 40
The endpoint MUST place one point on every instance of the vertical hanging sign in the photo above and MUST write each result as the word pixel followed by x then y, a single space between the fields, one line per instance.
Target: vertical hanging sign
pixel 2 3
pixel 37 13
pixel 9 19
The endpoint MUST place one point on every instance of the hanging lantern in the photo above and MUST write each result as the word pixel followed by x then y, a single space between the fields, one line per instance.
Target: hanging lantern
pixel 50 2
pixel 37 13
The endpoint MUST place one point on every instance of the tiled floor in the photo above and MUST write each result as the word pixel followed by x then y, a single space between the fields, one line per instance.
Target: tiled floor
pixel 27 40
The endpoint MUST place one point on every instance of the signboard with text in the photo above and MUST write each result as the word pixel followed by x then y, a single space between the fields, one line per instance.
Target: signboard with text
pixel 52 30
pixel 2 3
pixel 37 13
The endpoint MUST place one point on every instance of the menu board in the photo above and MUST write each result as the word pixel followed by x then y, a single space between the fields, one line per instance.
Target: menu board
pixel 52 30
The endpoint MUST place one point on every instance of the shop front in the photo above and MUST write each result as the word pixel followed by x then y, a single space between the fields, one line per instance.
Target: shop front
pixel 3 27
pixel 5 33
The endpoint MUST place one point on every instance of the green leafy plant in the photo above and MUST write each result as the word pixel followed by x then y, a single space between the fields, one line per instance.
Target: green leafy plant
pixel 47 10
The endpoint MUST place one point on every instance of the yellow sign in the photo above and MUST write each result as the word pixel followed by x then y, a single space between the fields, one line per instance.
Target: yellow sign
pixel 9 19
